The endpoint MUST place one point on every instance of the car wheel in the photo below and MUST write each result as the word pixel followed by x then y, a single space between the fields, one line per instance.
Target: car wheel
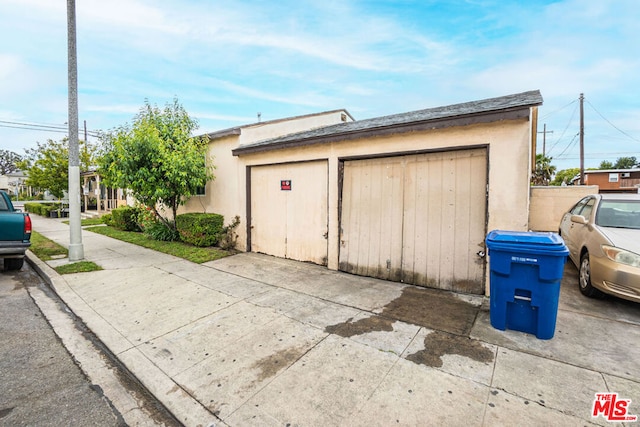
pixel 13 263
pixel 584 281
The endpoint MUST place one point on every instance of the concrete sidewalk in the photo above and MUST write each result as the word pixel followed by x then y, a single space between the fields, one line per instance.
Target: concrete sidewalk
pixel 256 340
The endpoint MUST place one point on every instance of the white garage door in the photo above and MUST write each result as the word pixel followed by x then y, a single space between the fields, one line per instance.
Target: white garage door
pixel 417 219
pixel 290 221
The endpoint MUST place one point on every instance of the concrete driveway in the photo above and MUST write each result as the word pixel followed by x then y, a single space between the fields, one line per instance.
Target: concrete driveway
pixel 258 340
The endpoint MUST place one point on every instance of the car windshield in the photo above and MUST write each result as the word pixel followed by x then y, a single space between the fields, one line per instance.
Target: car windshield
pixel 619 214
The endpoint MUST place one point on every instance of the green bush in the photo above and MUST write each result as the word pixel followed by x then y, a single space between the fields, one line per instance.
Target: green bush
pixel 107 219
pixel 41 208
pixel 125 218
pixel 46 209
pixel 158 230
pixel 200 229
pixel 229 237
pixel 33 208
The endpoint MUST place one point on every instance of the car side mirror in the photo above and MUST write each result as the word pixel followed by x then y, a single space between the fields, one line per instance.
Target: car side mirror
pixel 579 219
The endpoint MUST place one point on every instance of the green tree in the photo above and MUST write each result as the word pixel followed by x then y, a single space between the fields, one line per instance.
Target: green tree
pixel 544 170
pixel 9 161
pixel 47 165
pixel 625 163
pixel 565 176
pixel 158 159
pixel 605 164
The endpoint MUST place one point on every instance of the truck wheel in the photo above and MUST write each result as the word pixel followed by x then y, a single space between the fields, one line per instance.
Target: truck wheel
pixel 13 263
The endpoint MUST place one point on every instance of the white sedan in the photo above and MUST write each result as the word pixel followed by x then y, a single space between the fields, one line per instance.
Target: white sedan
pixel 602 233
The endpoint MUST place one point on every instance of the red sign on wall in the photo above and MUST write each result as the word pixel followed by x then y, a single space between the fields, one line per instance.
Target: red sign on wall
pixel 285 185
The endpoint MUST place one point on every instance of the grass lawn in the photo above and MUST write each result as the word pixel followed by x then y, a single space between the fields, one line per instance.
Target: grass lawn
pixel 46 249
pixel 179 249
pixel 78 267
pixel 88 221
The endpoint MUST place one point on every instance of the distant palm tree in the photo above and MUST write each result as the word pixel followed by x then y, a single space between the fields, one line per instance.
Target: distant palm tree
pixel 544 170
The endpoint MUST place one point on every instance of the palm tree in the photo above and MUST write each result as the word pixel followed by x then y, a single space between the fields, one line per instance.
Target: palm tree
pixel 544 170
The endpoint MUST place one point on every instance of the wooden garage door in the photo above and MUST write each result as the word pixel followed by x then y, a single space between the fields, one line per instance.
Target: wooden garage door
pixel 290 223
pixel 417 219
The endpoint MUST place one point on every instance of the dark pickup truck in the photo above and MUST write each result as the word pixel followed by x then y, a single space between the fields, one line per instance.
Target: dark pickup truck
pixel 15 233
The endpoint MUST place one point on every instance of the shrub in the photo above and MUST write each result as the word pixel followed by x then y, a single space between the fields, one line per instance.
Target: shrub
pixel 107 219
pixel 146 217
pixel 229 237
pixel 158 230
pixel 46 208
pixel 32 208
pixel 125 218
pixel 200 229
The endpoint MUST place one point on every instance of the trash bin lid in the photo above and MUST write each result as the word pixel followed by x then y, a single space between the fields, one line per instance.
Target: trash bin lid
pixel 544 241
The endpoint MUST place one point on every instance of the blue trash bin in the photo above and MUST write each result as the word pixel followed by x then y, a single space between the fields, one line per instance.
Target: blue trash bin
pixel 526 270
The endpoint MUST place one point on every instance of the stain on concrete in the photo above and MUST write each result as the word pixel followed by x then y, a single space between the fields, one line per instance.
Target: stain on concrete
pixel 6 411
pixel 164 353
pixel 410 277
pixel 370 324
pixel 215 408
pixel 433 309
pixel 438 344
pixel 270 366
pixel 174 389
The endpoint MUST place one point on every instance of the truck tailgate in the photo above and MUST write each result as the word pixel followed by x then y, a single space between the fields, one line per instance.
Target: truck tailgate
pixel 12 226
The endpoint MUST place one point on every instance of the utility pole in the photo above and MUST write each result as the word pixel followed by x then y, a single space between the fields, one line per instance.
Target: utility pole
pixel 544 139
pixel 85 131
pixel 581 139
pixel 76 249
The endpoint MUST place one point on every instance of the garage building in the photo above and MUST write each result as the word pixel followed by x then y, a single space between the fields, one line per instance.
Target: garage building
pixel 407 197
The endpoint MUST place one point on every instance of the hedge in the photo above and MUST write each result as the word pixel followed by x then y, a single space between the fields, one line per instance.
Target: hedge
pixel 125 218
pixel 200 229
pixel 41 208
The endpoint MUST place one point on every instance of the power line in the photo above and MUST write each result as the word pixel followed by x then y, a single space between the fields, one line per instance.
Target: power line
pixel 565 129
pixel 592 156
pixel 612 125
pixel 571 143
pixel 559 109
pixel 47 126
pixel 43 127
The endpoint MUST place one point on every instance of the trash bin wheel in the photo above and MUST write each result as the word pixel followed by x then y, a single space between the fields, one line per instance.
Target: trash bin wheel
pixel 584 281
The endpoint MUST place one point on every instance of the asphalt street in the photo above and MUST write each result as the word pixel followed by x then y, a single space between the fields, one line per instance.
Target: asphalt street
pixel 42 384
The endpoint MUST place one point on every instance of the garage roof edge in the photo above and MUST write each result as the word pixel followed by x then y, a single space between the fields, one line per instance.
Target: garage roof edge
pixel 483 111
pixel 237 130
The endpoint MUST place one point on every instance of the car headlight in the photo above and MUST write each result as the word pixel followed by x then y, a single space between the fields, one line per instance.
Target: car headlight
pixel 621 256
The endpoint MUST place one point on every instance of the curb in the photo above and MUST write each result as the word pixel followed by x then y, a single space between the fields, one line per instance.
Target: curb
pixel 186 410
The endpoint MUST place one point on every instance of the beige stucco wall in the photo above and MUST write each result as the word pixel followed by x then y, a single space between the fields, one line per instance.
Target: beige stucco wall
pixel 226 194
pixel 548 204
pixel 508 146
pixel 274 129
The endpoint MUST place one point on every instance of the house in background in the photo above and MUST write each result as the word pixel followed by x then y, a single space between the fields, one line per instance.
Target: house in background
pixel 407 197
pixel 614 180
pixel 99 199
pixel 14 183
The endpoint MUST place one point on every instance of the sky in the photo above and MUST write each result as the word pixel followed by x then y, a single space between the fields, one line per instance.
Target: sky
pixel 227 61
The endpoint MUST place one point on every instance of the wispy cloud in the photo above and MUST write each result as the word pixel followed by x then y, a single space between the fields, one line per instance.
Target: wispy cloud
pixel 228 60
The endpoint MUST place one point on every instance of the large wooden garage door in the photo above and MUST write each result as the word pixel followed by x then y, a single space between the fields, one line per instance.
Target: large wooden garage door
pixel 417 219
pixel 290 223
